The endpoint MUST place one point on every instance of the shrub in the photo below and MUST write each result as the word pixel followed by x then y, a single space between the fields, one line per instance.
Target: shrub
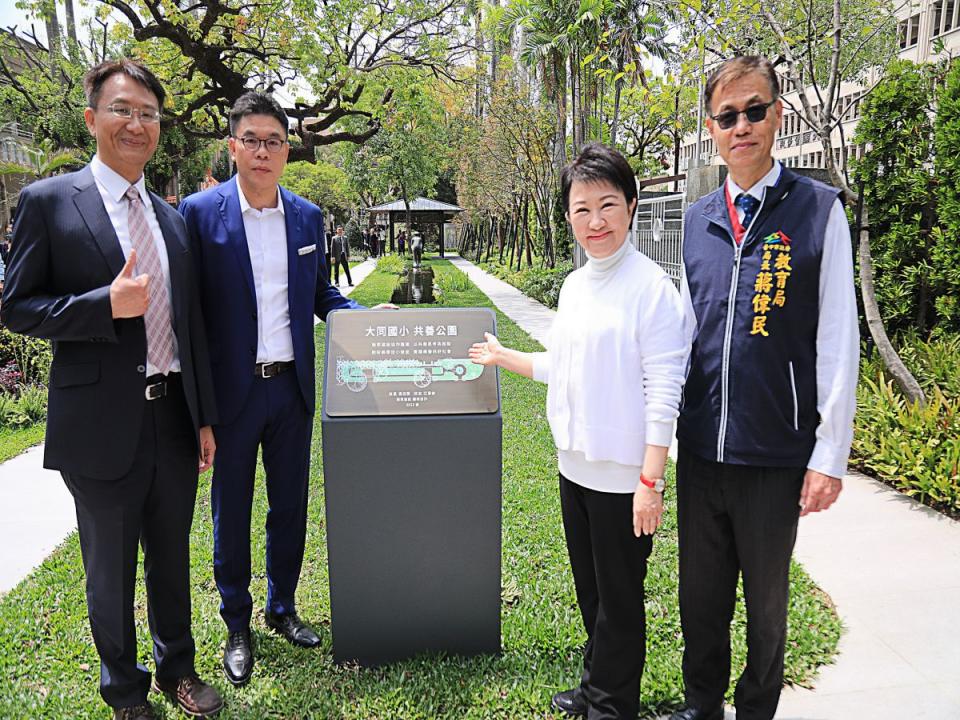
pixel 10 415
pixel 452 280
pixel 32 403
pixel 916 449
pixel 10 378
pixel 391 264
pixel 32 356
pixel 541 284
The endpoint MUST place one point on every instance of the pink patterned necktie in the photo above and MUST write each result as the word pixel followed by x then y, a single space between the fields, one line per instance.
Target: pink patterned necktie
pixel 157 317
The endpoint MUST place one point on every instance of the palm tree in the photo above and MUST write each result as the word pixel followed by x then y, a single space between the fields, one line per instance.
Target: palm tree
pixel 633 30
pixel 44 160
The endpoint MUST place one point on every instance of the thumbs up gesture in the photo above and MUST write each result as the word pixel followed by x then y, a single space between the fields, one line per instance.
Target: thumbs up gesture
pixel 129 295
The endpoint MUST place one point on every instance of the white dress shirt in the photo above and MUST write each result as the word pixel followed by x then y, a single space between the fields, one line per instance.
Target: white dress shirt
pixel 838 335
pixel 113 188
pixel 266 232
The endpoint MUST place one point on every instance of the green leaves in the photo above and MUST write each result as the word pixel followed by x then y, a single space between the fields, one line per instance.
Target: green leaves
pixel 914 448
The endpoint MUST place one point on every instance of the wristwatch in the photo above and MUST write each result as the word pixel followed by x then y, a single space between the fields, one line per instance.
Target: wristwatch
pixel 656 485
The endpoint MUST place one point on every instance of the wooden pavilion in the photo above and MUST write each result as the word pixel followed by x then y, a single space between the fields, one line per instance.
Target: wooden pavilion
pixel 423 212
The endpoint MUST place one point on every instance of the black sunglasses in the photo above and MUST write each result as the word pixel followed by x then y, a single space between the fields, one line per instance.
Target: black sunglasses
pixel 754 113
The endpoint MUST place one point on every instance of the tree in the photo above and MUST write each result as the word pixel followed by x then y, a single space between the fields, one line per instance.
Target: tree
pixel 321 183
pixel 407 155
pixel 898 185
pixel 655 118
pixel 211 52
pixel 945 253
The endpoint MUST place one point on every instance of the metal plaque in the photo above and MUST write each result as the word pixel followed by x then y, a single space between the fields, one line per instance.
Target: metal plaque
pixel 408 362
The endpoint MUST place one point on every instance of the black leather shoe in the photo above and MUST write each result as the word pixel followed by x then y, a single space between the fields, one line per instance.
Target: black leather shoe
pixel 238 657
pixel 293 629
pixel 688 712
pixel 570 702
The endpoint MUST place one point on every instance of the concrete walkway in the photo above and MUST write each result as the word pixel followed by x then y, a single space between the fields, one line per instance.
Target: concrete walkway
pixel 892 568
pixel 37 511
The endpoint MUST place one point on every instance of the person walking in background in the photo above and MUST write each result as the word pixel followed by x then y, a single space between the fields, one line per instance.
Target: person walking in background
pixel 340 248
pixel 258 249
pixel 767 420
pixel 101 267
pixel 402 244
pixel 614 368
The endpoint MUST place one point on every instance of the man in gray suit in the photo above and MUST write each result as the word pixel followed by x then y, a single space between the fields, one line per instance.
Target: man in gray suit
pixel 101 267
pixel 340 250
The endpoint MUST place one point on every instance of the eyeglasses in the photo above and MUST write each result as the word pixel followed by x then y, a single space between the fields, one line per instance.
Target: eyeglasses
pixel 125 112
pixel 754 113
pixel 253 144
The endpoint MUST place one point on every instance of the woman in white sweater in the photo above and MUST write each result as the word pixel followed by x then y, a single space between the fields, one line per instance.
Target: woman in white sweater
pixel 615 366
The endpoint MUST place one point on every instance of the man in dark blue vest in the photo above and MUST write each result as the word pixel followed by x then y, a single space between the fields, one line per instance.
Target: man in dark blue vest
pixel 767 420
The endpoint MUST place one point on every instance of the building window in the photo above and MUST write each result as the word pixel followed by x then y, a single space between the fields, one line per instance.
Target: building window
pixel 944 17
pixel 908 31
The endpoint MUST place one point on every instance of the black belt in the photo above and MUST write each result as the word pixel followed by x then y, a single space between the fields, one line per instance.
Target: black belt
pixel 158 385
pixel 271 369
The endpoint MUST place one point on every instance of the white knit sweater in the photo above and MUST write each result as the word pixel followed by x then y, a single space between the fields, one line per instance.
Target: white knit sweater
pixel 615 364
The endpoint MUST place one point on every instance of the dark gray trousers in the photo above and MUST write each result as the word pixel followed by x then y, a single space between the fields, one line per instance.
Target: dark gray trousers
pixel 735 519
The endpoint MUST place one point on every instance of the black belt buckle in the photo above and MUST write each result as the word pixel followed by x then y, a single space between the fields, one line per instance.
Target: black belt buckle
pixel 155 391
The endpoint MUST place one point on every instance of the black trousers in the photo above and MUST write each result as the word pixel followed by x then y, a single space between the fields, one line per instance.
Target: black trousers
pixel 151 505
pixel 733 519
pixel 609 567
pixel 341 259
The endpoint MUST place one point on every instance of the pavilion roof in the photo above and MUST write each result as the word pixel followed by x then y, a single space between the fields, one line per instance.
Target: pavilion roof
pixel 418 204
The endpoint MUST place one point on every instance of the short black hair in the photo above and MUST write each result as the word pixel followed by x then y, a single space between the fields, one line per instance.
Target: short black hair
pixel 257 103
pixel 598 163
pixel 736 68
pixel 97 75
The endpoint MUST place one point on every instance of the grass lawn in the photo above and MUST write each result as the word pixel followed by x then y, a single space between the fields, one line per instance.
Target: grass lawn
pixel 50 668
pixel 14 441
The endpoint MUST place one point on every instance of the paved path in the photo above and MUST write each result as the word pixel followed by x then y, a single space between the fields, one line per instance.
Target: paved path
pixel 37 512
pixel 891 566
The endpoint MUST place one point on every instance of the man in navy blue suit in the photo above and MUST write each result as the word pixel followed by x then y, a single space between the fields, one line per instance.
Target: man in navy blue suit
pixel 260 256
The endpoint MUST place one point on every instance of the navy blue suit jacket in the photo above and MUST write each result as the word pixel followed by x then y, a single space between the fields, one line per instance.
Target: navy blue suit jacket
pixel 228 294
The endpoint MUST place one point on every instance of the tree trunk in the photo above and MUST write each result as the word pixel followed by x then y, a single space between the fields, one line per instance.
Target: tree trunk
pixel 891 360
pixel 617 86
pixel 528 241
pixel 71 26
pixel 52 23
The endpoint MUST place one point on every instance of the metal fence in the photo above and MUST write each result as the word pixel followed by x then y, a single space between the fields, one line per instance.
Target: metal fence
pixel 658 232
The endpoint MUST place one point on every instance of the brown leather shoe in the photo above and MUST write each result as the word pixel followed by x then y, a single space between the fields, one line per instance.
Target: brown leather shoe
pixel 191 694
pixel 135 712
